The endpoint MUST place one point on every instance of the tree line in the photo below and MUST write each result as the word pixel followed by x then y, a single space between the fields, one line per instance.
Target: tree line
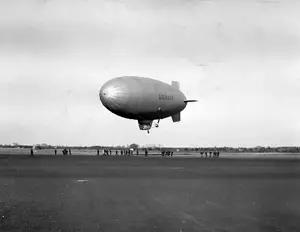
pixel 257 149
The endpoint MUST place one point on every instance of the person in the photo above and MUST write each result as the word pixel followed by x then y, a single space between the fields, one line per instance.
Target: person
pixel 109 151
pixel 97 151
pixel 137 151
pixel 70 151
pixel 31 151
pixel 146 152
pixel 55 151
pixel 65 151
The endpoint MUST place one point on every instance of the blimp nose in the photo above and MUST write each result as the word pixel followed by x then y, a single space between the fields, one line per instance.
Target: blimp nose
pixel 113 95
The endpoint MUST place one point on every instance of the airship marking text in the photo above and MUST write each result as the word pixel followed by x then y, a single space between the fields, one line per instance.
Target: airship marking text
pixel 165 97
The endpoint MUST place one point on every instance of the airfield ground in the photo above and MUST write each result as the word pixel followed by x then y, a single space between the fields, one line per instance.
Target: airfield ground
pixel 98 193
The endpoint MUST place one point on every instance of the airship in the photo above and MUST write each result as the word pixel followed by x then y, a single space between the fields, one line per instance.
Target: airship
pixel 143 99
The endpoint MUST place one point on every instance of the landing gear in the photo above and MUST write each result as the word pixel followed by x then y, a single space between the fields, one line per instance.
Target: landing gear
pixel 157 124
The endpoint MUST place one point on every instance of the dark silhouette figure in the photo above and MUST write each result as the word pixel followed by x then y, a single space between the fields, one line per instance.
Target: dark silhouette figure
pixel 55 151
pixel 65 151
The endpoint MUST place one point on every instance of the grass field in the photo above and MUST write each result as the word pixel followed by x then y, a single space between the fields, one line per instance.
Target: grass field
pixel 90 193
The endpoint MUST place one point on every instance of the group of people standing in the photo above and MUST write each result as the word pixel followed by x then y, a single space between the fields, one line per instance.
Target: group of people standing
pixel 209 154
pixel 65 151
pixel 167 153
pixel 128 152
pixel 125 152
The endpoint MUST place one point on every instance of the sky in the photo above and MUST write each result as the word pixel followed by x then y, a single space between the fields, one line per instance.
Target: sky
pixel 240 59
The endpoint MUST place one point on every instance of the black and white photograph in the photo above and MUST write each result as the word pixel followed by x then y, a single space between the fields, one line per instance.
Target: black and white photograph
pixel 150 115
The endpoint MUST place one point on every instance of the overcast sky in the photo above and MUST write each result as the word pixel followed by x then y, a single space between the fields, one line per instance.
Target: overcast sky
pixel 241 59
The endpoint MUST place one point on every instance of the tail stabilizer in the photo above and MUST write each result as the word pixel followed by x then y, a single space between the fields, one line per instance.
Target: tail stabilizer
pixel 186 101
pixel 176 84
pixel 176 117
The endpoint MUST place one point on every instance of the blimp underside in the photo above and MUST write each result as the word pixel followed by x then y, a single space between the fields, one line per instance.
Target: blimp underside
pixel 143 99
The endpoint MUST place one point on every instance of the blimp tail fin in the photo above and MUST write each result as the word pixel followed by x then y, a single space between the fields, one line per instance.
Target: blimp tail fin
pixel 176 117
pixel 176 84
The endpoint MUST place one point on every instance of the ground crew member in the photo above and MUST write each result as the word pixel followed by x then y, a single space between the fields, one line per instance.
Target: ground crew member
pixel 65 151
pixel 55 151
pixel 97 151
pixel 70 151
pixel 109 152
pixel 31 151
pixel 137 151
pixel 146 152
